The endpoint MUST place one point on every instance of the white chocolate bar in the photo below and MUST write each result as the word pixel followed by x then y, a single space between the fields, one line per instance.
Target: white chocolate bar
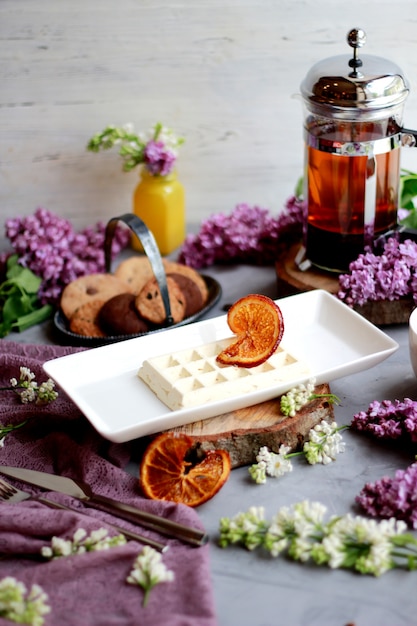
pixel 192 377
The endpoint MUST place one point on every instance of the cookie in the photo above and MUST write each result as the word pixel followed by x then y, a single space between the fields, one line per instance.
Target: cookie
pixel 88 288
pixel 119 316
pixel 193 298
pixel 150 305
pixel 84 319
pixel 135 272
pixel 189 272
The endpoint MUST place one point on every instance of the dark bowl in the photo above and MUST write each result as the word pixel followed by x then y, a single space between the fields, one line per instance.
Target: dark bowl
pixel 62 325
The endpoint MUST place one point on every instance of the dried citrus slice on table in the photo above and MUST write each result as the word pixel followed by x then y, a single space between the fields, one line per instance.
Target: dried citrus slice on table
pixel 259 325
pixel 171 470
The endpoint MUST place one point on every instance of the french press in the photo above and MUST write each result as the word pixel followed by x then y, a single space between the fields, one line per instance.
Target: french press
pixel 353 134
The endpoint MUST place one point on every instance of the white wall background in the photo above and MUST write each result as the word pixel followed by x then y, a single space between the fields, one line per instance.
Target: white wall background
pixel 223 73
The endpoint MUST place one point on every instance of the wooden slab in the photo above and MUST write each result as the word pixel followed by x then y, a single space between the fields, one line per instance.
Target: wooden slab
pixel 291 280
pixel 242 433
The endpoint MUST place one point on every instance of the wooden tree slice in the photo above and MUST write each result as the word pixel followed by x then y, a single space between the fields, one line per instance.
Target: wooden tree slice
pixel 292 280
pixel 242 433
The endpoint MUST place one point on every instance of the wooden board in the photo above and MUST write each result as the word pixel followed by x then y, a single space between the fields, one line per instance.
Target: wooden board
pixel 242 433
pixel 291 280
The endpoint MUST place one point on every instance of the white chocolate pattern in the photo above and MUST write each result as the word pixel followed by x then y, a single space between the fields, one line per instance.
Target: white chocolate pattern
pixel 192 377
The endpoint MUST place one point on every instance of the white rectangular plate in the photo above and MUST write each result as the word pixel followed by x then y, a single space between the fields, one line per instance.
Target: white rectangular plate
pixel 322 331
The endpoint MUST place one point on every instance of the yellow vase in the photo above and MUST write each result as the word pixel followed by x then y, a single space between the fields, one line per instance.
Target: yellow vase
pixel 160 202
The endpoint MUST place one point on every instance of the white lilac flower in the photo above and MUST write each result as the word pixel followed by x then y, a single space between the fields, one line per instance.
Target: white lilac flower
pixel 313 511
pixel 368 542
pixel 278 464
pixel 28 395
pixel 250 522
pixel 356 543
pixel 29 391
pixel 258 472
pixel 81 543
pixel 301 549
pixel 46 392
pixel 18 604
pixel 59 547
pixel 378 560
pixel 276 541
pixel 148 571
pixel 308 518
pixel 270 464
pixel 296 398
pixel 371 541
pixel 333 550
pixel 283 520
pixel 26 374
pixel 246 528
pixel 324 443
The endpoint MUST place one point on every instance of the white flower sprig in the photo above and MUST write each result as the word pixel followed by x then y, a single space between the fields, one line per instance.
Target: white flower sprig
pixel 29 390
pixel 148 571
pixel 81 543
pixel 18 604
pixel 298 396
pixel 300 532
pixel 323 445
pixel 270 464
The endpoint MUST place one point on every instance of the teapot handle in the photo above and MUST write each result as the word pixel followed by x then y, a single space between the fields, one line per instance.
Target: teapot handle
pixel 408 137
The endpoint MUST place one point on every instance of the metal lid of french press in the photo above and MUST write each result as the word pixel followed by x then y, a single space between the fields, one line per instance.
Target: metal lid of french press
pixel 350 86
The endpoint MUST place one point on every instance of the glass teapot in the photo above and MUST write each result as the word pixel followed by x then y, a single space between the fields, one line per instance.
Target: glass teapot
pixel 353 135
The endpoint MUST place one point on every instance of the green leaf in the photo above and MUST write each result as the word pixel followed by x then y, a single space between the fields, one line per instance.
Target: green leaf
pixel 408 194
pixel 5 328
pixel 410 221
pixel 299 188
pixel 32 318
pixel 405 539
pixel 412 563
pixel 12 260
pixel 13 307
pixel 19 304
pixel 408 189
pixel 24 278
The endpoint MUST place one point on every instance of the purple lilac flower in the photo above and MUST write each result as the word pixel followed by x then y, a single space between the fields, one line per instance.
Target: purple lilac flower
pixel 248 234
pixel 49 246
pixel 159 160
pixel 392 497
pixel 388 420
pixel 294 216
pixel 387 276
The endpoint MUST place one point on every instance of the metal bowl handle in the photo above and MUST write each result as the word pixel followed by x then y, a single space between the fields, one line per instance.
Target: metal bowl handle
pixel 150 247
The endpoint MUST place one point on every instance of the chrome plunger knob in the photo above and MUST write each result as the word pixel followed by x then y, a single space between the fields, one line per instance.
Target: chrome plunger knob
pixel 356 39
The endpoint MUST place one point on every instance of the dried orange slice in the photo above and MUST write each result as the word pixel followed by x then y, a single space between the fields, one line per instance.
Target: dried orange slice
pixel 170 470
pixel 259 325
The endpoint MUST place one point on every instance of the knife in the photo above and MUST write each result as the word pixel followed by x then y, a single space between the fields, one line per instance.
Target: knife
pixel 81 491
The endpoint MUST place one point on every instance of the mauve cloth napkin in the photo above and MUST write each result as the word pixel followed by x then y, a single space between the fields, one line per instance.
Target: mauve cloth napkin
pixel 88 589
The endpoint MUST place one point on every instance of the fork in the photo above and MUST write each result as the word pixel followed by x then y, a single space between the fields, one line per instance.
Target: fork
pixel 9 493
